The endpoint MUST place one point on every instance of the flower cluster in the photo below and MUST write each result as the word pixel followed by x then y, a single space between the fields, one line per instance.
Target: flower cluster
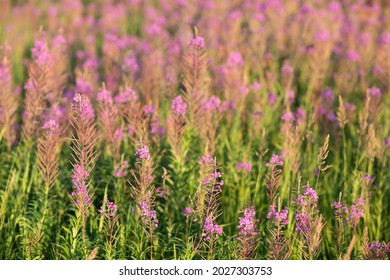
pixel 197 42
pixel 279 217
pixel 178 106
pixel 340 209
pixel 356 212
pixel 187 211
pixel 83 106
pixel 244 166
pixel 121 170
pixel 110 210
pixel 215 179
pixel 147 213
pixel 80 195
pixel 303 224
pixel 51 126
pixel 211 229
pixel 378 251
pixel 247 223
pixel 309 197
pixel 143 153
pixel 275 161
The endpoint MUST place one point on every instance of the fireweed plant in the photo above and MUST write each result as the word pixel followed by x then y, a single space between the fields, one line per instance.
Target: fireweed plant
pixel 195 130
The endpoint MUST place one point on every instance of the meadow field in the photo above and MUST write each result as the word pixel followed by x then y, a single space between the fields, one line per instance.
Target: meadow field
pixel 195 130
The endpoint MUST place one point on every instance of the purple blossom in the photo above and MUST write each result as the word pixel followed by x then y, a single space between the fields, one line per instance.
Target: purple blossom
pixel 40 52
pixel 110 211
pixel 302 223
pixel 105 96
pixel 143 153
pixel 356 212
pixel 147 213
pixel 127 95
pixel 178 106
pixel 5 74
pixel 374 92
pixel 244 90
pixel 378 250
pixel 368 178
pixel 311 194
pixel 83 106
pixel 149 109
pixel 275 160
pixel 187 211
pixel 387 142
pixel 211 229
pixel 197 42
pixel 212 103
pixel 287 69
pixel 244 166
pixel 52 127
pixel 272 98
pixel 235 59
pixel 256 86
pixel 121 170
pixel 300 115
pixel 352 56
pixel 279 217
pixel 247 223
pixel 340 209
pixel 80 194
pixel 288 117
pixel 327 94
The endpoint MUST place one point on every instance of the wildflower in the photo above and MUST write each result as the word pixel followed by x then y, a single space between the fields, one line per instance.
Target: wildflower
pixel 272 97
pixel 127 95
pixel 143 153
pixel 275 160
pixel 235 59
pixel 244 90
pixel 212 103
pixel 374 92
pixel 119 134
pixel 287 69
pixel 387 142
pixel 149 110
pixel 187 211
pixel 148 215
pixel 288 117
pixel 327 94
pixel 356 212
pixel 247 223
pixel 340 209
pixel 368 178
pixel 178 106
pixel 352 56
pixel 378 251
pixel 111 209
pixel 302 223
pixel 211 229
pixel 197 42
pixel 279 217
pixel 40 52
pixel 255 86
pixel 244 165
pixel 80 195
pixel 105 96
pixel 121 170
pixel 51 126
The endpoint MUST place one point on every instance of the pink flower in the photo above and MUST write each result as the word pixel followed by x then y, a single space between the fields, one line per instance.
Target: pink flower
pixel 143 153
pixel 244 165
pixel 197 42
pixel 178 106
